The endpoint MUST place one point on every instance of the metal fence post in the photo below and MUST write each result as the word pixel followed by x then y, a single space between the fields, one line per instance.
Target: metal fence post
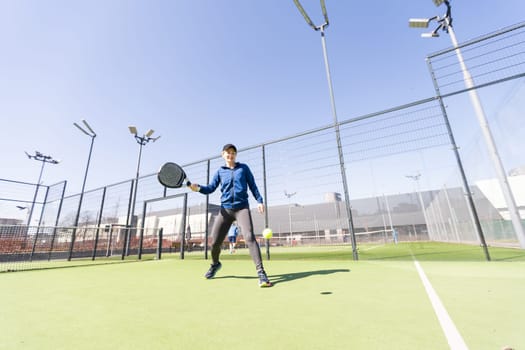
pixel 99 221
pixel 183 224
pixel 159 243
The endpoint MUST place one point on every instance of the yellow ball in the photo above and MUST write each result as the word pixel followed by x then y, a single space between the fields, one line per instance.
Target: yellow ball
pixel 267 233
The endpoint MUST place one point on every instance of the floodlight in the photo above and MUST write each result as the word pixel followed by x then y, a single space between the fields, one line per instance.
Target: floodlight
pixel 303 12
pixel 89 127
pixel 438 2
pixel 325 14
pixel 81 129
pixel 149 133
pixel 418 22
pixel 132 129
pixel 44 159
pixel 430 35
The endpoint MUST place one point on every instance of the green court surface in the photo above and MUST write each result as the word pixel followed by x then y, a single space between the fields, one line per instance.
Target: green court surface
pixel 322 299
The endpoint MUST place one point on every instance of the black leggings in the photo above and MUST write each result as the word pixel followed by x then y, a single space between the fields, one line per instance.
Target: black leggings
pixel 244 221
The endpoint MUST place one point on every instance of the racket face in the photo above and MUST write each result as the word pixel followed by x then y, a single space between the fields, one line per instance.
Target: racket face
pixel 171 175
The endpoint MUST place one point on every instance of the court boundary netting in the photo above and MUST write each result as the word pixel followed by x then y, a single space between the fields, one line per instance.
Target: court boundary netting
pixel 402 176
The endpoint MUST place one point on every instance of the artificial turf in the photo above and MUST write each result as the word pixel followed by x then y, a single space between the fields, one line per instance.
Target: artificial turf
pixel 322 299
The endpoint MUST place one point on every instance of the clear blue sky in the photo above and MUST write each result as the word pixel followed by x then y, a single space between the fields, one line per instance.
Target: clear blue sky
pixel 201 73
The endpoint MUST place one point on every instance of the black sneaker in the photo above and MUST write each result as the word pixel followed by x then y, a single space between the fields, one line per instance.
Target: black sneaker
pixel 264 282
pixel 213 270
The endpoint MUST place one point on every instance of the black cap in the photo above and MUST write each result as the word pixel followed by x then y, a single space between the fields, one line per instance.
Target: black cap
pixel 228 146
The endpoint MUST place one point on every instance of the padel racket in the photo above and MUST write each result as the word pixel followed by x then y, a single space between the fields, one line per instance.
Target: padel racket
pixel 172 175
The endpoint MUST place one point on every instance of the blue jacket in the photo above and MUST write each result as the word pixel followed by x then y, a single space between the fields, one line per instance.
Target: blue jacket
pixel 234 186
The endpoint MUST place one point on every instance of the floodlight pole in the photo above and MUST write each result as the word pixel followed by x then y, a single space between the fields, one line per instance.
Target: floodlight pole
pixel 445 24
pixel 421 202
pixel 141 144
pixel 339 145
pixel 142 141
pixel 290 195
pixel 321 28
pixel 89 132
pixel 44 159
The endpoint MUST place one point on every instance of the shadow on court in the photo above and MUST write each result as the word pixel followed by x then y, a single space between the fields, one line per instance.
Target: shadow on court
pixel 292 276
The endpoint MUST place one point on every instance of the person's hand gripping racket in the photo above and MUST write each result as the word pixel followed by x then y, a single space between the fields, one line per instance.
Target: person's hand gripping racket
pixel 194 187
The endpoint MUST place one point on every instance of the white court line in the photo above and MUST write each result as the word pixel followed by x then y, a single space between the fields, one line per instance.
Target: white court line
pixel 455 341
